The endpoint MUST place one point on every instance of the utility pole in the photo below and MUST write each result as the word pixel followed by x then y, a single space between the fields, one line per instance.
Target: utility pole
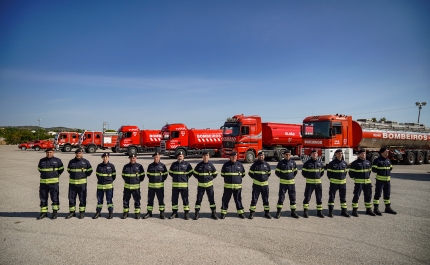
pixel 39 129
pixel 420 106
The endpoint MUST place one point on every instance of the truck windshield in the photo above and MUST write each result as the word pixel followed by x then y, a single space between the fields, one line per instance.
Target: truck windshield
pixel 231 131
pixel 318 129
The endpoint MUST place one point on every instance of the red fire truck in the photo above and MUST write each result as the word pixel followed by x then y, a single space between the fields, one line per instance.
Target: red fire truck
pixel 246 135
pixel 93 140
pixel 66 141
pixel 178 138
pixel 407 142
pixel 36 145
pixel 132 140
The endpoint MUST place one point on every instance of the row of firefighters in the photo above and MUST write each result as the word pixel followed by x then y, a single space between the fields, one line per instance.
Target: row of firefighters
pixel 232 171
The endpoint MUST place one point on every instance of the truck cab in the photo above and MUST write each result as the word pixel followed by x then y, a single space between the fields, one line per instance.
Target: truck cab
pixel 327 133
pixel 242 135
pixel 174 139
pixel 128 135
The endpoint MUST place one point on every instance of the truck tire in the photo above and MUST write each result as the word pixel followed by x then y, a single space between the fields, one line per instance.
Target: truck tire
pixel 409 158
pixel 373 156
pixel 249 157
pixel 91 149
pixel 279 156
pixel 180 150
pixel 426 157
pixel 37 148
pixel 114 149
pixel 132 151
pixel 67 148
pixel 23 148
pixel 420 158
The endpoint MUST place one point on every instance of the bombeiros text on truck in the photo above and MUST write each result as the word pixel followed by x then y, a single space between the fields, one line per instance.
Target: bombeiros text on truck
pixel 407 142
pixel 246 135
pixel 178 138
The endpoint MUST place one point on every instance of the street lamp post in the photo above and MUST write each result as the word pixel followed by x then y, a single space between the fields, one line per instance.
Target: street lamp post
pixel 39 129
pixel 420 106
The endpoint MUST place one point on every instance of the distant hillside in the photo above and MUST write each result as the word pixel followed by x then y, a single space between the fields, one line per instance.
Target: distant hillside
pixel 54 129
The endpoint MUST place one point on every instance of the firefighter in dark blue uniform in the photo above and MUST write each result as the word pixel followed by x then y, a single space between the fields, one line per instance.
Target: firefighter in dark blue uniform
pixel 336 172
pixel 232 171
pixel 260 172
pixel 132 173
pixel 360 171
pixel 205 172
pixel 106 174
pixel 382 167
pixel 313 170
pixel 50 169
pixel 157 174
pixel 79 169
pixel 180 171
pixel 286 170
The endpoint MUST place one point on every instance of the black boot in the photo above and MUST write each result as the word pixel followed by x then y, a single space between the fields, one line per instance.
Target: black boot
pixel 147 215
pixel 320 214
pixel 388 209
pixel 186 215
pixel 54 214
pixel 305 213
pixel 137 216
pixel 241 216
pixel 330 211
pixel 97 215
pixel 370 212
pixel 196 215
pixel 376 209
pixel 124 215
pixel 71 214
pixel 162 215
pixel 344 212
pixel 267 215
pixel 81 215
pixel 110 215
pixel 42 215
pixel 251 215
pixel 278 213
pixel 222 216
pixel 214 216
pixel 293 213
pixel 174 214
pixel 355 213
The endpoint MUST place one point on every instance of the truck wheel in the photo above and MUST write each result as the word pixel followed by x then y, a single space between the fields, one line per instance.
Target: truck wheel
pixel 37 148
pixel 180 150
pixel 114 149
pixel 91 149
pixel 132 151
pixel 67 148
pixel 426 157
pixel 373 156
pixel 23 148
pixel 409 158
pixel 420 158
pixel 249 157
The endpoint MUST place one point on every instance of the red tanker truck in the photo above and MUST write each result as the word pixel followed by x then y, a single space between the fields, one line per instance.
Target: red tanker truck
pixel 407 142
pixel 66 141
pixel 246 135
pixel 132 140
pixel 178 138
pixel 93 140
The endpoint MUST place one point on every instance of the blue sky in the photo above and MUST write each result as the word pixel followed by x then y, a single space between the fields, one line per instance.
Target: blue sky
pixel 82 63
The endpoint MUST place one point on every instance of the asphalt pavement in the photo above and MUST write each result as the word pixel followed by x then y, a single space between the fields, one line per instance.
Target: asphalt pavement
pixel 390 239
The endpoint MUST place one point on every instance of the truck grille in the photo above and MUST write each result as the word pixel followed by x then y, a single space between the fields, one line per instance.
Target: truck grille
pixel 227 144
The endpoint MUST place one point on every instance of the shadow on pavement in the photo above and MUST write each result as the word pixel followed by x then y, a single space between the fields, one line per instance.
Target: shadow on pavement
pixel 412 176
